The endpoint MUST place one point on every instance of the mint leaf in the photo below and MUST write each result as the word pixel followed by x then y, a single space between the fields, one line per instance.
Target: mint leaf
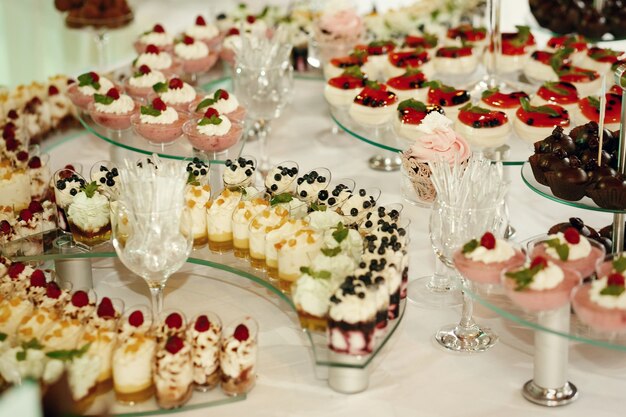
pixel 331 252
pixel 205 103
pixel 318 275
pixel 3 337
pixel 213 120
pixel 68 355
pixel 353 71
pixel 410 71
pixel 20 356
pixel 470 246
pixel 318 207
pixel 150 111
pixel 102 99
pixel 562 249
pixel 160 87
pixel 619 264
pixel 594 101
pixel 523 33
pixel 614 290
pixel 192 179
pixel 376 44
pixel 601 53
pixel 475 109
pixel 138 74
pixel 411 104
pixel 489 92
pixel 556 88
pixel 438 85
pixel 373 85
pixel 524 277
pixel 540 109
pixel 341 233
pixel 557 59
pixel 90 189
pixel 86 79
pixel 281 198
pixel 32 344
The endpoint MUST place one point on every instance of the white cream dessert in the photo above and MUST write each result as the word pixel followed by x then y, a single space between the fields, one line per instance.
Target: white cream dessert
pixel 54 298
pixel 321 221
pixel 220 219
pixel 167 116
pixel 239 173
pixel 238 357
pixel 101 333
pixel 224 102
pixel 113 102
pixel 173 373
pixel 335 196
pixel 340 91
pixel 338 263
pixel 378 287
pixel 346 240
pixel 92 83
pixel 64 334
pixel 600 59
pixel 146 77
pixel 157 36
pixel 13 311
pixel 538 67
pixel 242 217
pixel 14 187
pixel 356 207
pixel 196 198
pixel 154 58
pixel 295 252
pixel 172 324
pixel 205 333
pixel 202 30
pixel 35 326
pixel 557 92
pixel 483 127
pixel 310 184
pixel 449 98
pixel 455 60
pixel 534 123
pixel 81 306
pixel 82 373
pixel 282 178
pixel 599 295
pixel 408 122
pixel 373 106
pixel 22 362
pixel 175 92
pixel 260 226
pixel 311 296
pixel 89 216
pixel 377 217
pixel 189 49
pixel 278 234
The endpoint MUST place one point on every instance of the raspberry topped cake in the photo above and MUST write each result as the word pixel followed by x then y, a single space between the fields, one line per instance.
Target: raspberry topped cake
pixel 588 110
pixel 195 55
pixel 483 127
pixel 205 32
pixel 494 99
pixel 173 372
pixel 449 98
pixel 176 93
pixel 158 122
pixel 340 91
pixel 399 62
pixel 409 85
pixel 113 109
pixel 374 105
pixel 459 60
pixel 90 83
pixel 238 357
pixel 224 102
pixel 157 36
pixel 411 112
pixel 139 85
pixel 533 123
pixel 557 92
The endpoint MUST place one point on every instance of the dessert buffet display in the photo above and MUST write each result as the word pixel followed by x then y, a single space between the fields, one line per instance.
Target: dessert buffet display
pixel 99 13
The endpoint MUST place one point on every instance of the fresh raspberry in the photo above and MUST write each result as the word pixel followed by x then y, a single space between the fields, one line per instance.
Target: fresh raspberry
pixel 539 261
pixel 144 69
pixel 200 21
pixel 175 83
pixel 571 235
pixel 5 228
pixel 22 156
pixel 174 344
pixel 113 93
pixel 158 28
pixel 35 162
pixel 232 31
pixel 211 112
pixel 615 279
pixel 53 290
pixel 152 49
pixel 106 309
pixel 8 132
pixel 35 207
pixel 94 77
pixel 12 114
pixel 242 333
pixel 158 104
pixel 250 19
pixel 80 299
pixel 53 90
pixel 174 321
pixel 16 269
pixel 26 215
pixel 188 40
pixel 11 144
pixel 70 167
pixel 135 318
pixel 37 278
pixel 202 324
pixel 223 94
pixel 488 241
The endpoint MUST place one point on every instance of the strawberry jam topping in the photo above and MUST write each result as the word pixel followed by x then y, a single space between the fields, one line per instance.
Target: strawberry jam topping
pixel 428 42
pixel 377 47
pixel 408 59
pixel 503 100
pixel 478 117
pixel 467 33
pixel 413 112
pixel 603 55
pixel 346 82
pixel 512 45
pixel 375 97
pixel 558 92
pixel 454 51
pixel 542 56
pixel 447 96
pixel 573 74
pixel 407 81
pixel 576 42
pixel 348 61
pixel 557 117
pixel 590 108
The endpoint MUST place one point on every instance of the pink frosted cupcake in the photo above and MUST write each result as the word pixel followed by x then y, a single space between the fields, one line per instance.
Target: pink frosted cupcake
pixel 157 36
pixel 159 123
pixel 213 132
pixel 112 110
pixel 205 32
pixel 139 85
pixel 195 56
pixel 224 102
pixel 541 286
pixel 90 83
pixel 158 60
pixel 483 260
pixel 176 93
pixel 570 250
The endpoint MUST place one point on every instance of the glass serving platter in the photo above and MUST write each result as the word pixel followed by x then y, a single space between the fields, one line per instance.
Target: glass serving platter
pixel 585 203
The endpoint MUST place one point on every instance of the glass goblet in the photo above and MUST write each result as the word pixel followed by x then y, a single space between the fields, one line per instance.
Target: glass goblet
pixel 152 244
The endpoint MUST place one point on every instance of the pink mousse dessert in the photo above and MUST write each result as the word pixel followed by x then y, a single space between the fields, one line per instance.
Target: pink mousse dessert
pixel 159 60
pixel 113 109
pixel 224 102
pixel 232 41
pixel 541 286
pixel 205 32
pixel 90 83
pixel 139 85
pixel 158 122
pixel 176 93
pixel 213 132
pixel 483 260
pixel 157 36
pixel 194 55
pixel 601 304
pixel 570 250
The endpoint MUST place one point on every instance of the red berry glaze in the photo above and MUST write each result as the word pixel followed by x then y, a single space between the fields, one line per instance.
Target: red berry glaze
pixel 53 290
pixel 37 278
pixel 346 82
pixel 603 55
pixel 407 81
pixel 412 41
pixel 447 98
pixel 612 113
pixel 136 318
pixel 80 299
pixel 241 333
pixel 467 33
pixel 573 74
pixel 408 59
pixel 377 47
pixel 174 344
pixel 482 119
pixel 106 309
pixel 174 321
pixel 348 61
pixel 577 42
pixel 454 51
pixel 558 92
pixel 372 97
pixel 202 324
pixel 511 47
pixel 538 119
pixel 504 100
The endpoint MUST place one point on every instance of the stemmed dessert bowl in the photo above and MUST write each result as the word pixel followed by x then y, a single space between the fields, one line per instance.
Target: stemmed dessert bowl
pixel 212 148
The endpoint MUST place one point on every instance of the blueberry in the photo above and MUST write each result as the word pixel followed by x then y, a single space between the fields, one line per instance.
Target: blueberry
pixel 362 192
pixel 190 168
pixel 368 224
pixel 248 172
pixel 73 191
pixel 61 185
pixel 110 183
pixel 277 177
pixel 361 295
pixel 115 172
pixel 336 192
pixel 228 162
pixel 203 171
pixel 310 180
pixel 354 212
pixel 274 187
pixel 314 174
pixel 322 195
pixel 103 168
pixel 303 193
pixel 332 201
pixel 366 204
pixel 102 180
pixel 300 181
pixel 196 173
pixel 233 168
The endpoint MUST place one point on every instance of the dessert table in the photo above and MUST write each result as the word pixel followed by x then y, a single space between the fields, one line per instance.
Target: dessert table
pixel 412 376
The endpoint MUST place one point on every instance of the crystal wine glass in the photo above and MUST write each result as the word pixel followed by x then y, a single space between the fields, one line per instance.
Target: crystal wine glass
pixel 152 244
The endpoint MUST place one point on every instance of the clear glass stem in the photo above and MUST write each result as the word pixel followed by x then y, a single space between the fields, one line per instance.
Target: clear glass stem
pixel 156 292
pixel 440 281
pixel 262 127
pixel 467 326
pixel 495 39
pixel 101 39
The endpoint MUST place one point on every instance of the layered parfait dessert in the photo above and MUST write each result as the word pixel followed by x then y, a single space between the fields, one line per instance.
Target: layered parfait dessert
pixel 263 223
pixel 219 219
pixel 197 195
pixel 205 332
pixel 89 216
pixel 159 123
pixel 242 217
pixel 296 252
pixel 238 357
pixel 173 372
pixel 112 110
pixel 311 295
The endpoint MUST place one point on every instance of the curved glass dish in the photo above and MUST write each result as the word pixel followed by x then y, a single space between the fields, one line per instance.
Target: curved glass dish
pixel 58 245
pixel 514 152
pixel 585 203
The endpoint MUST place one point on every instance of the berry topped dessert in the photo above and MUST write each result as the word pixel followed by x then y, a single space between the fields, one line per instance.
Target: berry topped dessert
pixel 459 60
pixel 213 132
pixel 449 98
pixel 557 92
pixel 157 59
pixel 158 122
pixel 224 102
pixel 176 93
pixel 113 109
pixel 282 178
pixel 89 216
pixel 374 105
pixel 377 52
pixel 516 48
pixel 600 59
pixel 426 41
pixel 577 43
pixel 232 42
pixel 139 85
pixel 340 91
pixel 195 55
pixel 238 356
pixel 356 207
pixel 90 83
pixel 399 62
pixel 335 196
pixel 205 32
pixel 494 99
pixel 541 65
pixel 336 66
pixel 173 372
pixel 483 127
pixel 311 183
pixel 534 123
pixel 466 33
pixel 588 110
pixel 157 36
pixel 239 173
pixel 409 85
pixel 409 118
pixel 205 332
pixel 585 80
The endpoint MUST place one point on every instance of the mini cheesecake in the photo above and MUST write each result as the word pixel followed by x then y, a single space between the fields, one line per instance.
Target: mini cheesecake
pixel 374 105
pixel 483 127
pixel 516 48
pixel 449 98
pixel 557 92
pixel 577 43
pixel 538 66
pixel 586 81
pixel 600 59
pixel 409 85
pixel 535 123
pixel 466 33
pixel 493 99
pixel 340 91
pixel 336 66
pixel 398 63
pixel 588 110
pixel 457 60
pixel 377 52
pixel 426 41
pixel 409 118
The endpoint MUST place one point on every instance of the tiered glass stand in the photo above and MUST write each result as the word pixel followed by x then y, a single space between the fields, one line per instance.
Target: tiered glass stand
pixel 344 373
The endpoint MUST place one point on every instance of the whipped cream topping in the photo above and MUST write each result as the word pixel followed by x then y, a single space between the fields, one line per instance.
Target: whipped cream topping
pixel 216 130
pixel 132 361
pixel 122 105
pixel 244 213
pixel 185 94
pixel 88 90
pixel 606 301
pixel 147 80
pixel 352 245
pixel 12 313
pixel 14 371
pixel 322 221
pixel 196 198
pixel 500 253
pixel 284 231
pixel 549 277
pixel 207 31
pixel 83 374
pixel 236 175
pixel 311 295
pixel 225 106
pixel 89 214
pixel 205 351
pixel 36 325
pixel 439 141
pixel 357 307
pixel 64 197
pixel 159 61
pixel 62 335
pixel 195 50
pixel 277 183
pixel 168 116
pixel 156 38
pixel 339 266
pixel 232 42
pixel 580 250
pixel 173 372
pixel 237 356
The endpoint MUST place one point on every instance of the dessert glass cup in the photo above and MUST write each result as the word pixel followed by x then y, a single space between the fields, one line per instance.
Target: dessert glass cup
pixel 206 379
pixel 180 107
pixel 417 188
pixel 109 191
pixel 349 183
pixel 40 183
pixel 489 274
pixel 199 65
pixel 90 238
pixel 349 219
pixel 585 266
pixel 312 197
pixel 112 121
pixel 138 93
pixel 233 385
pixel 288 188
pixel 249 181
pixel 163 331
pixel 237 115
pixel 60 203
pixel 79 99
pixel 159 134
pixel 212 146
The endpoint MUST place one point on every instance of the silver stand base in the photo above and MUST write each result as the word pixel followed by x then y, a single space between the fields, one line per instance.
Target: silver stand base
pixel 385 163
pixel 550 397
pixel 455 340
pixel 76 271
pixel 348 380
